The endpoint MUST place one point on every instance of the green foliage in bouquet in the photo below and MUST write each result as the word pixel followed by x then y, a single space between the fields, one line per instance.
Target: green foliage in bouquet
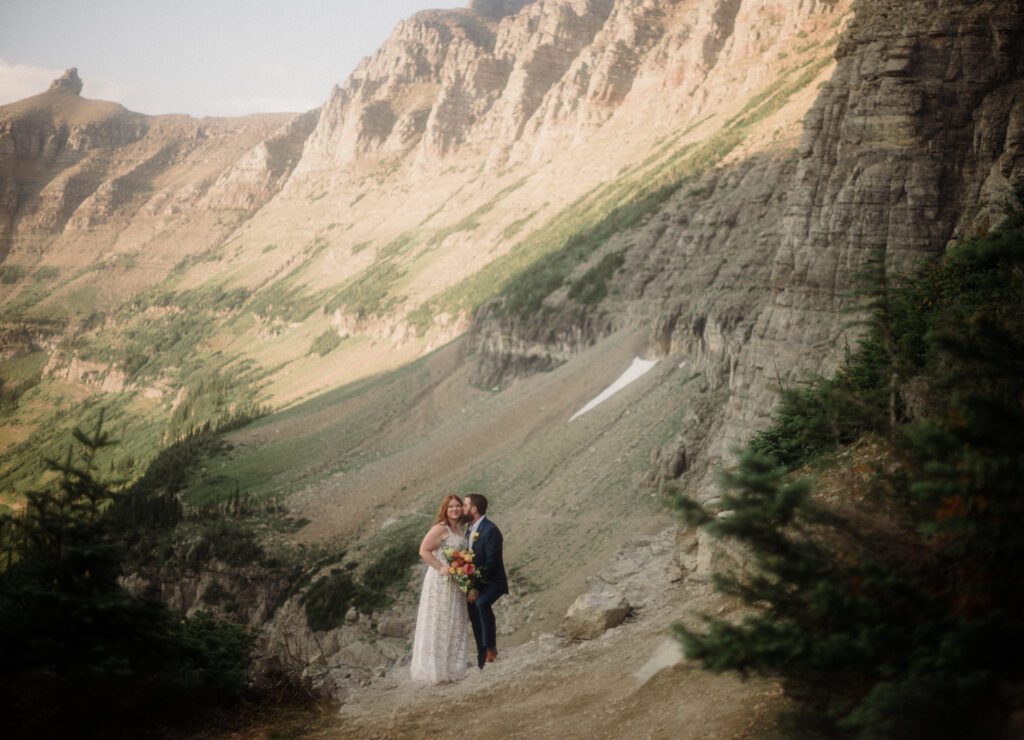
pixel 900 617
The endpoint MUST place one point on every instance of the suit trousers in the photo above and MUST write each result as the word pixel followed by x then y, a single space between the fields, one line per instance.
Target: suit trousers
pixel 481 616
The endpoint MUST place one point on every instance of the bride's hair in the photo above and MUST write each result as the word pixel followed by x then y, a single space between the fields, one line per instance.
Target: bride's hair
pixel 442 513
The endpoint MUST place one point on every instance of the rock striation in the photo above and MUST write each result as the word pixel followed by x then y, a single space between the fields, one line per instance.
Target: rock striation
pixel 744 275
pixel 787 143
pixel 796 140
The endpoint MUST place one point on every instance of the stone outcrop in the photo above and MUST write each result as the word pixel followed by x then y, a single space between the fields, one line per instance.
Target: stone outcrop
pixel 69 82
pixel 594 613
pixel 744 274
pixel 79 175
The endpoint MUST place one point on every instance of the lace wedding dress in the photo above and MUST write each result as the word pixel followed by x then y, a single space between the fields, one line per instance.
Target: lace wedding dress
pixel 440 646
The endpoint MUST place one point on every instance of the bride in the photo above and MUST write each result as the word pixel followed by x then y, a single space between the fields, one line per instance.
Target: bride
pixel 441 643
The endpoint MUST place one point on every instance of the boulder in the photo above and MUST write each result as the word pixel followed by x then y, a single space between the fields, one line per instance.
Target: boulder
pixel 394 627
pixel 359 654
pixel 593 613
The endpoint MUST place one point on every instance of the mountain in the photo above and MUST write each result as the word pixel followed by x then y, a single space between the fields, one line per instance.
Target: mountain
pixel 471 144
pixel 472 237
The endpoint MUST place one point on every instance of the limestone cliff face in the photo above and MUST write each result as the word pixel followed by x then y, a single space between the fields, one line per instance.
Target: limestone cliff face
pixel 798 144
pixel 517 82
pixel 915 140
pixel 79 176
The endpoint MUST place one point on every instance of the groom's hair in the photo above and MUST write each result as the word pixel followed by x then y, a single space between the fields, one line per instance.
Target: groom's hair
pixel 479 501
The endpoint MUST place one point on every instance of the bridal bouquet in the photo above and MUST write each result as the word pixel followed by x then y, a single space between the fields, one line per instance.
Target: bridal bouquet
pixel 461 568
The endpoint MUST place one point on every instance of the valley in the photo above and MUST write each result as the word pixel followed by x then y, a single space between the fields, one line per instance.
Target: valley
pixel 409 291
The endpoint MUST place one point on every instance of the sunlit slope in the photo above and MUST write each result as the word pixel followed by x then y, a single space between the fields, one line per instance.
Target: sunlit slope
pixel 226 264
pixel 363 460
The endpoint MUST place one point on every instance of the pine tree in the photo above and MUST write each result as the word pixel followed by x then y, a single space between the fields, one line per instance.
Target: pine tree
pixel 911 630
pixel 76 648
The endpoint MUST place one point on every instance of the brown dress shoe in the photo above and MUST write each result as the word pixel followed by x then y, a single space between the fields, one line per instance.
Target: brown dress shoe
pixel 491 656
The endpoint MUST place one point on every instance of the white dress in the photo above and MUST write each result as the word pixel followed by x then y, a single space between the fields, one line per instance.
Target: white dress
pixel 441 644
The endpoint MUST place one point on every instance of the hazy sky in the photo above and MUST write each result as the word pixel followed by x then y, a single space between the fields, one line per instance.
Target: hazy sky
pixel 203 57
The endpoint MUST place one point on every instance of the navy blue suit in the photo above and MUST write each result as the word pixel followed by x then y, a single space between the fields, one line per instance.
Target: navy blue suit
pixel 493 584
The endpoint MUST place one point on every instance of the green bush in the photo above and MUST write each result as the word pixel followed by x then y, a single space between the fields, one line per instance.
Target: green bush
pixel 387 574
pixel 330 596
pixel 11 393
pixel 898 616
pixel 82 656
pixel 328 599
pixel 230 542
pixel 46 273
pixel 325 343
pixel 592 287
pixel 369 293
pixel 10 274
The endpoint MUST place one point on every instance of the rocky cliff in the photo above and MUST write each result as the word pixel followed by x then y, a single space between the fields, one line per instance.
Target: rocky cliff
pixel 82 180
pixel 573 182
pixel 469 146
pixel 711 171
pixel 744 275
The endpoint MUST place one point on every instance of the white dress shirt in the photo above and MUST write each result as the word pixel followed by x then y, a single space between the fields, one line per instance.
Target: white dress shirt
pixel 472 531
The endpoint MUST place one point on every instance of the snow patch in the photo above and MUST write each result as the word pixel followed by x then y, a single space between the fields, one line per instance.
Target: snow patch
pixel 637 370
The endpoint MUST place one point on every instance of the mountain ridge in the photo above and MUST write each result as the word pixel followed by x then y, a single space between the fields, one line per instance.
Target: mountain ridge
pixel 478 231
pixel 339 217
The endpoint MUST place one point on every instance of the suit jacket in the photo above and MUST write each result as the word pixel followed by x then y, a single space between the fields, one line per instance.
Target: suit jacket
pixel 487 556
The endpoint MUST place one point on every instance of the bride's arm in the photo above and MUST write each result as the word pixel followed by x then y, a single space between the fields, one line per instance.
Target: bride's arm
pixel 431 543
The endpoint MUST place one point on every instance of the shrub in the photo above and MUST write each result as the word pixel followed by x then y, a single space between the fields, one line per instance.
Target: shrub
pixel 328 599
pixel 230 542
pixel 388 573
pixel 10 274
pixel 325 343
pixel 592 287
pixel 46 273
pixel 908 629
pixel 81 655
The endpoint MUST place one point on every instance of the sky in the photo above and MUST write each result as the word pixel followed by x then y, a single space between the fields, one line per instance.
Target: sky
pixel 201 57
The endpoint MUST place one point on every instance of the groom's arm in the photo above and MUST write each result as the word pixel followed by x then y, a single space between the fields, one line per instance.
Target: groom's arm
pixel 492 548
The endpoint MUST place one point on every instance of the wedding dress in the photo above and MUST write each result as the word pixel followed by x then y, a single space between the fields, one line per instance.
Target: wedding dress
pixel 441 643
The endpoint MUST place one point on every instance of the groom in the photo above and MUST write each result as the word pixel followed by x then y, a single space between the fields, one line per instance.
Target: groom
pixel 485 539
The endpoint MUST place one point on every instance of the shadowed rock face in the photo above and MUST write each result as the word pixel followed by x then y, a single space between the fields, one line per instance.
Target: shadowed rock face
pixel 917 139
pixel 742 273
pixel 497 8
pixel 922 122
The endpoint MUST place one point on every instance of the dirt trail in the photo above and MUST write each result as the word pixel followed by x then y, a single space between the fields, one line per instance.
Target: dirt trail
pixel 554 688
pixel 571 500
